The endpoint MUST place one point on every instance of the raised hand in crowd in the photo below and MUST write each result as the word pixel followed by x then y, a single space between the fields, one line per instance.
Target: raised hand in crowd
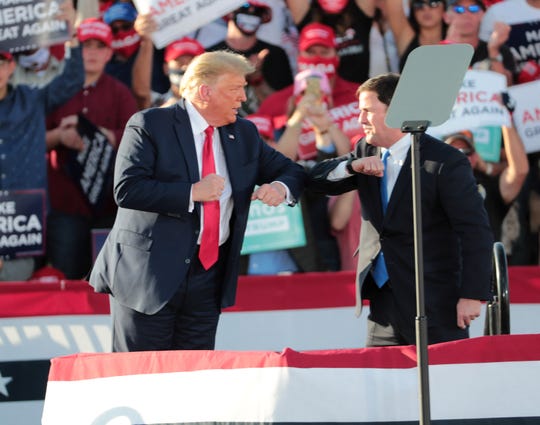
pixel 497 39
pixel 141 76
pixel 259 85
pixel 423 26
pixel 68 13
pixel 328 135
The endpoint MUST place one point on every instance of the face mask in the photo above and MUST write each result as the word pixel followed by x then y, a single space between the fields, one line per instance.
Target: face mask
pixel 175 76
pixel 327 66
pixel 126 43
pixel 247 24
pixel 333 6
pixel 36 60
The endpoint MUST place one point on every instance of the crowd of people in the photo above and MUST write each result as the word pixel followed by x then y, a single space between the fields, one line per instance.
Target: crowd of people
pixel 307 60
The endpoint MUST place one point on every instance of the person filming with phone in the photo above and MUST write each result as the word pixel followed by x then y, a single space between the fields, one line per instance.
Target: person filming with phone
pixel 310 121
pixel 317 52
pixel 310 111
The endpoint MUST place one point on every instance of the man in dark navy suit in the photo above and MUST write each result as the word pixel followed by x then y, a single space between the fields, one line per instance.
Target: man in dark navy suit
pixel 457 239
pixel 171 260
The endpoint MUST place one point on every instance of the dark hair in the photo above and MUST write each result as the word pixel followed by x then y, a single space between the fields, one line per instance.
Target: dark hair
pixel 340 22
pixel 384 85
pixel 414 23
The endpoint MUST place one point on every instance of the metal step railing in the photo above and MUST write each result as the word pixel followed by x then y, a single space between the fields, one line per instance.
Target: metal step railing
pixel 498 309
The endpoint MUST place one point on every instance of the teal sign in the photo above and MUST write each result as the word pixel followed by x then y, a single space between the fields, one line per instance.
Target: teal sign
pixel 487 142
pixel 270 228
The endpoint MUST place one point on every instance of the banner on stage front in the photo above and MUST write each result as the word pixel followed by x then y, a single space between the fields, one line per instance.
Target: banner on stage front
pixel 176 18
pixel 527 114
pixel 478 104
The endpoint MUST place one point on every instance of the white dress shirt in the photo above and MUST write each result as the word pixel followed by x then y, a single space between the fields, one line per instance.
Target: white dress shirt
pixel 198 125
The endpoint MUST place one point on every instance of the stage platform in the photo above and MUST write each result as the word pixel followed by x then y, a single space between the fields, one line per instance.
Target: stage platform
pixel 303 312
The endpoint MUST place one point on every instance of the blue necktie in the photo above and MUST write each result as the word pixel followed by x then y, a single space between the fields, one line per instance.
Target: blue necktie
pixel 380 274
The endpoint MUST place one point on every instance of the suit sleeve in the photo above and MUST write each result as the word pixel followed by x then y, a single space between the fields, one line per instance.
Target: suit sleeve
pixel 140 182
pixel 66 85
pixel 465 209
pixel 275 166
pixel 318 178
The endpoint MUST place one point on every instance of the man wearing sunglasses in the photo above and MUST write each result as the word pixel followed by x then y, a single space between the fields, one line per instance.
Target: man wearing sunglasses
pixel 272 67
pixel 126 45
pixel 463 18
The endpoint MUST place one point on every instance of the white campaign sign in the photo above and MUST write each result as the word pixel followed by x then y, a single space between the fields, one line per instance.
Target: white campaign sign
pixel 477 104
pixel 176 18
pixel 527 114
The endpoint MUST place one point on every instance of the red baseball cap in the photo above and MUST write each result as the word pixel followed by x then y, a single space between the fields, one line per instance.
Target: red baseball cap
pixel 184 46
pixel 6 56
pixel 316 33
pixel 94 29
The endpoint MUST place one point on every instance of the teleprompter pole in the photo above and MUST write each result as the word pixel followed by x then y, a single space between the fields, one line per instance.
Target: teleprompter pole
pixel 416 128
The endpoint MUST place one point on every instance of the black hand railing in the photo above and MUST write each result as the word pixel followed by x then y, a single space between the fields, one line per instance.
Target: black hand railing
pixel 498 309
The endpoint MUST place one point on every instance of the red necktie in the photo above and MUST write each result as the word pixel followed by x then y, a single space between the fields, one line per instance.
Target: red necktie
pixel 208 252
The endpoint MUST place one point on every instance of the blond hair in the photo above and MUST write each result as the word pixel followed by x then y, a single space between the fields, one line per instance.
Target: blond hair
pixel 207 67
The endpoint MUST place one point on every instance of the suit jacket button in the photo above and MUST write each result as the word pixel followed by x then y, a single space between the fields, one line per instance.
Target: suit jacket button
pixel 187 260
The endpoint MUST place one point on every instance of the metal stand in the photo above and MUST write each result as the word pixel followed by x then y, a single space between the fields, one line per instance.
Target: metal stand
pixel 421 99
pixel 416 128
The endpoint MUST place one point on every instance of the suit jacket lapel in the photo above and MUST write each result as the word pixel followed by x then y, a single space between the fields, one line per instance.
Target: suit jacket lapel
pixel 184 135
pixel 373 183
pixel 232 149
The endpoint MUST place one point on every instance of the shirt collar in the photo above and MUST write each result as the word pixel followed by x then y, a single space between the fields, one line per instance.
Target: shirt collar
pixel 398 150
pixel 198 123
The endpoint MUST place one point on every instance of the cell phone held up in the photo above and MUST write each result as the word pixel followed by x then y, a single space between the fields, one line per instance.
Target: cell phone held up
pixel 313 87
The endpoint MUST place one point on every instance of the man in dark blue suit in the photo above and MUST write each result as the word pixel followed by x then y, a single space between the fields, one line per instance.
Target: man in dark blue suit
pixel 167 286
pixel 457 239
